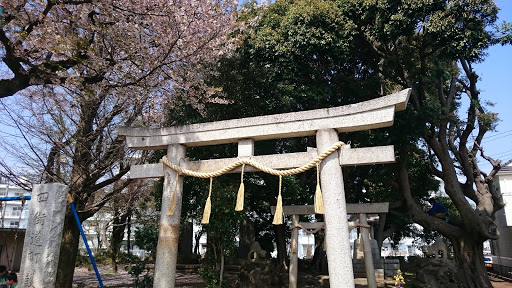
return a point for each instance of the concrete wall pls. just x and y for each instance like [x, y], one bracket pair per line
[504, 186]
[503, 246]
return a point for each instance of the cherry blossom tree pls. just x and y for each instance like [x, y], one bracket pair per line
[77, 69]
[119, 43]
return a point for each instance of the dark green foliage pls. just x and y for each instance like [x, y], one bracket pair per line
[222, 228]
[210, 277]
[137, 267]
[146, 238]
[138, 270]
[296, 57]
[504, 33]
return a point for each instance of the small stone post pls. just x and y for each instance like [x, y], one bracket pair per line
[294, 259]
[168, 236]
[341, 273]
[41, 248]
[368, 257]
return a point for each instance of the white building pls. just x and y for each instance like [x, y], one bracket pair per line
[501, 249]
[306, 244]
[13, 222]
[407, 247]
[13, 213]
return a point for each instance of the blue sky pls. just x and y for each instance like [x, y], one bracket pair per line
[496, 86]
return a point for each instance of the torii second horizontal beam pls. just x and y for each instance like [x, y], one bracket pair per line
[348, 157]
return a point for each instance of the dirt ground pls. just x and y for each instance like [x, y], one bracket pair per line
[498, 283]
[85, 278]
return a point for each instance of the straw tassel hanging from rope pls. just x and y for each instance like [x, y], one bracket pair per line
[208, 206]
[319, 201]
[174, 198]
[240, 197]
[278, 216]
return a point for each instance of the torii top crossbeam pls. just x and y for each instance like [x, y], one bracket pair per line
[365, 115]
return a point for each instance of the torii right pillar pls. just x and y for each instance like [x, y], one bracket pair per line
[341, 273]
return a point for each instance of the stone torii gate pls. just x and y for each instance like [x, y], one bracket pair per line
[324, 123]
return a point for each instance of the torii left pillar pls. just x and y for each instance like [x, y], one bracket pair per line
[169, 233]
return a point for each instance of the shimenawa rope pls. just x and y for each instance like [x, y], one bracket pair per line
[319, 209]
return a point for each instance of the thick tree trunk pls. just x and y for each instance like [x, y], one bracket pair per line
[280, 232]
[379, 234]
[117, 236]
[319, 261]
[113, 258]
[129, 233]
[221, 274]
[68, 252]
[467, 240]
[470, 257]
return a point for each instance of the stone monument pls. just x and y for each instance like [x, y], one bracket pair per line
[43, 237]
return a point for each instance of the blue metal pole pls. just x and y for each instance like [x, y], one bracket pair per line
[14, 198]
[70, 200]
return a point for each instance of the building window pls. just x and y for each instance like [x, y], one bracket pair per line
[16, 211]
[19, 194]
[14, 224]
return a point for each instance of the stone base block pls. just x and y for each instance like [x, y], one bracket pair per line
[360, 268]
[391, 266]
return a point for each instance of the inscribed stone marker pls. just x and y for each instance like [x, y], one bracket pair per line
[43, 237]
